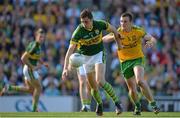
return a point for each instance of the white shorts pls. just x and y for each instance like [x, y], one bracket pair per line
[81, 70]
[28, 75]
[90, 61]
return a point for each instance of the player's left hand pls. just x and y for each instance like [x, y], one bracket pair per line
[149, 44]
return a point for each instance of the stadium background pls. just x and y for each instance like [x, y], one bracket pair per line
[160, 18]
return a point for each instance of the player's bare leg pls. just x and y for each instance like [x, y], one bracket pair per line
[25, 89]
[88, 91]
[95, 93]
[36, 94]
[84, 93]
[100, 78]
[139, 75]
[133, 94]
[32, 86]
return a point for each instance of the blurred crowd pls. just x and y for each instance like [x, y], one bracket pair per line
[19, 18]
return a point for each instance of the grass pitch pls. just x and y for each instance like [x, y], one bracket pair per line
[85, 115]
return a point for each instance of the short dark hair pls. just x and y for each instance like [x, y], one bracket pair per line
[86, 13]
[40, 30]
[128, 14]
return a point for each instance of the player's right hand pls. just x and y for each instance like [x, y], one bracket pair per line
[36, 67]
[64, 74]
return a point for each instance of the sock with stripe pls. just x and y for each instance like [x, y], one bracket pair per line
[137, 105]
[35, 103]
[86, 103]
[110, 91]
[34, 107]
[14, 88]
[153, 104]
[96, 96]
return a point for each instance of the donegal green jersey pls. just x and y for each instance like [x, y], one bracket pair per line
[34, 51]
[90, 41]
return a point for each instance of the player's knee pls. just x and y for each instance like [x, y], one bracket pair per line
[100, 82]
[140, 83]
[39, 89]
[82, 83]
[31, 90]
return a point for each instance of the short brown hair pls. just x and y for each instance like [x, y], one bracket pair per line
[128, 14]
[86, 13]
[40, 30]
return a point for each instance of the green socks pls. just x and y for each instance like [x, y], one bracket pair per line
[110, 91]
[137, 105]
[34, 107]
[86, 102]
[153, 104]
[96, 96]
[14, 88]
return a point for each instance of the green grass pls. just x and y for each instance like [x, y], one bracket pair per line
[85, 115]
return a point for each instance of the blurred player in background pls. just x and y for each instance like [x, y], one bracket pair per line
[132, 60]
[89, 36]
[32, 61]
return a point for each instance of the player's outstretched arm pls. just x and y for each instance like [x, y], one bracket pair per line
[108, 38]
[66, 60]
[117, 36]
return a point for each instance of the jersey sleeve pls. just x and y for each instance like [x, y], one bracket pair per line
[75, 36]
[104, 25]
[141, 30]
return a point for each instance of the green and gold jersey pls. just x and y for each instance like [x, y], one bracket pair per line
[34, 51]
[90, 41]
[132, 44]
